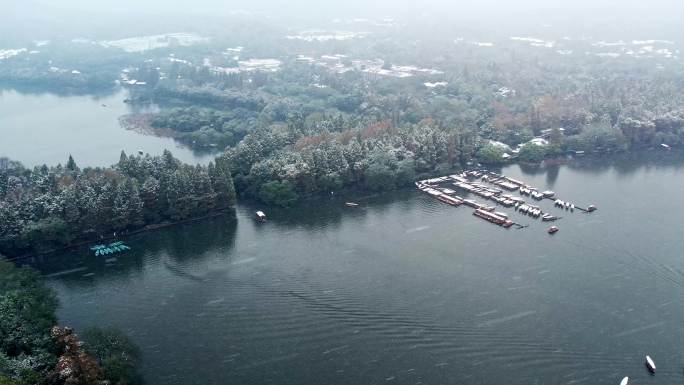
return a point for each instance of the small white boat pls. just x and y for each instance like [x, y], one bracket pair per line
[650, 364]
[260, 216]
[624, 381]
[351, 204]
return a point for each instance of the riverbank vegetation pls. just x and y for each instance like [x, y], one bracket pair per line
[51, 207]
[35, 351]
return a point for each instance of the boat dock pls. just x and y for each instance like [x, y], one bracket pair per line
[499, 189]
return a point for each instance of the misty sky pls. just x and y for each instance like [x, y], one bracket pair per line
[78, 17]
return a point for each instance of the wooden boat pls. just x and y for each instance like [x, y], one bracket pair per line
[351, 204]
[650, 364]
[548, 218]
[260, 216]
[449, 200]
[552, 230]
[624, 381]
[493, 218]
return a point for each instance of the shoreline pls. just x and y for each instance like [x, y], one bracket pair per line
[148, 228]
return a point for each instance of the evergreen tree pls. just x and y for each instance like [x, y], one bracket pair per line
[222, 181]
[71, 164]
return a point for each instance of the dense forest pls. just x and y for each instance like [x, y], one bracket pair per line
[35, 351]
[373, 107]
[50, 207]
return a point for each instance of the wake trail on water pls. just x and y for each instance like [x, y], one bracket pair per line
[481, 343]
[637, 262]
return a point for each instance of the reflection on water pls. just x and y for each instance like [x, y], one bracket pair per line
[177, 244]
[405, 289]
[41, 129]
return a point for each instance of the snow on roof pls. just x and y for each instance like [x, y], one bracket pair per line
[527, 39]
[539, 141]
[608, 54]
[267, 65]
[609, 43]
[500, 145]
[330, 57]
[260, 64]
[505, 92]
[305, 58]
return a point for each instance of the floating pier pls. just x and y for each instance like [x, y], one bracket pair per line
[112, 248]
[492, 186]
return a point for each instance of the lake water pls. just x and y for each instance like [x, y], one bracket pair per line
[406, 290]
[38, 129]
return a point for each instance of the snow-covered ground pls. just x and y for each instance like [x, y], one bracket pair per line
[339, 63]
[320, 35]
[8, 53]
[144, 43]
[251, 65]
[435, 84]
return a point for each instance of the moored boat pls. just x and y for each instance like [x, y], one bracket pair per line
[449, 200]
[552, 230]
[493, 218]
[650, 364]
